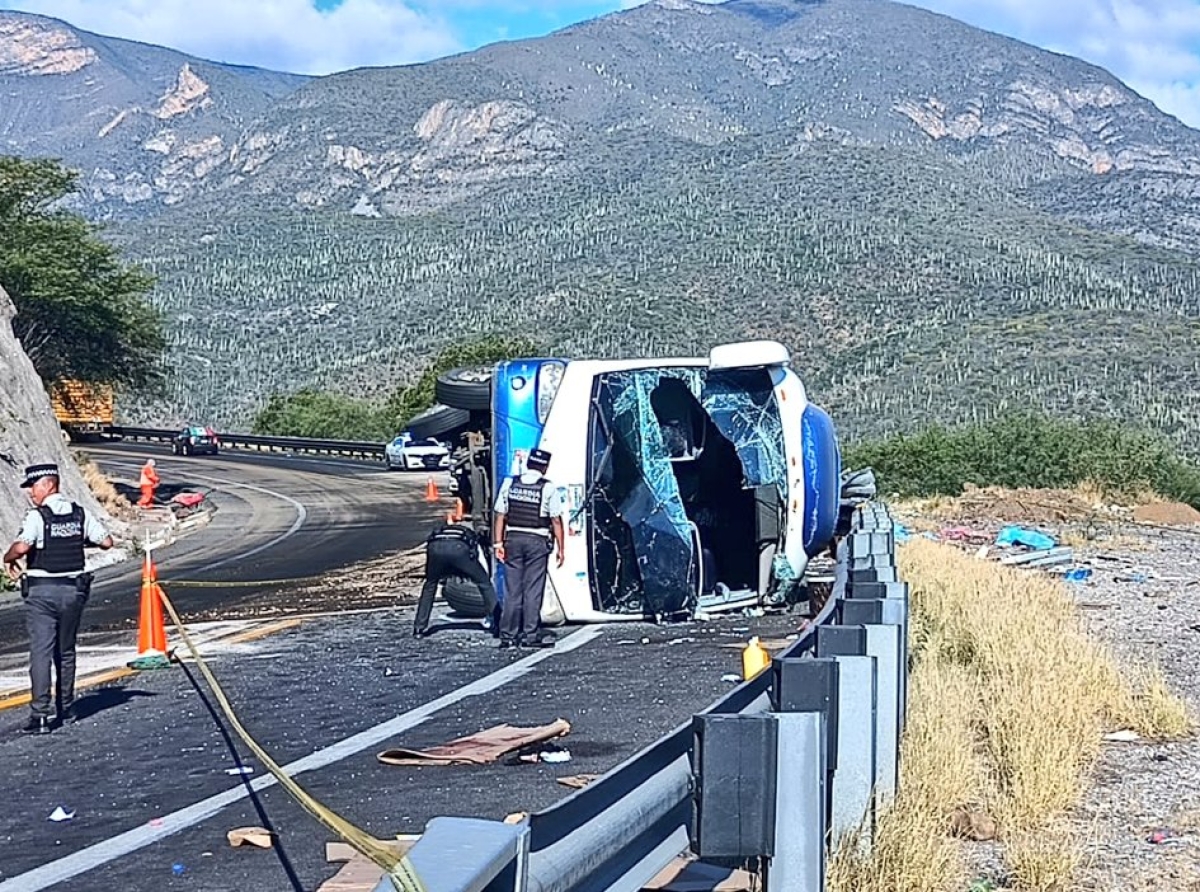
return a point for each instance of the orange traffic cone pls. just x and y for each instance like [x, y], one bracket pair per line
[152, 632]
[431, 491]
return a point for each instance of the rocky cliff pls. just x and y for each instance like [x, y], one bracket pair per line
[29, 432]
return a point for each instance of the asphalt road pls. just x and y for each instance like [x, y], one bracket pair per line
[145, 769]
[277, 517]
[142, 767]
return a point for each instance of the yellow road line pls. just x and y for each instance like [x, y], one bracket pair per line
[22, 697]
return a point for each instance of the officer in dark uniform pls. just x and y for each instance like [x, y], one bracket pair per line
[452, 550]
[529, 526]
[55, 588]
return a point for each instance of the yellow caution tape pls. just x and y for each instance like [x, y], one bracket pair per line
[398, 868]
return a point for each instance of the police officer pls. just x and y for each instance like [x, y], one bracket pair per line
[529, 526]
[55, 588]
[452, 550]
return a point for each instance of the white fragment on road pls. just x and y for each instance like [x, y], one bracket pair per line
[60, 814]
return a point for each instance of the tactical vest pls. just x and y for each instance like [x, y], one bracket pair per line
[62, 542]
[525, 507]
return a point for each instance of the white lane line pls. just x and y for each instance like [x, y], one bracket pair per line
[115, 847]
[301, 515]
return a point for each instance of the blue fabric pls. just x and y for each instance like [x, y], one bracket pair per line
[1013, 535]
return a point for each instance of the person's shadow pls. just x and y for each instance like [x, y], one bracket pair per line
[93, 702]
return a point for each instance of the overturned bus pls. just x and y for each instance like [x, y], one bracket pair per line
[690, 484]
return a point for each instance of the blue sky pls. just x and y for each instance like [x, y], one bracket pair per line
[1153, 45]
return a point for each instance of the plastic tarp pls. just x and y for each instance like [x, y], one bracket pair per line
[1013, 535]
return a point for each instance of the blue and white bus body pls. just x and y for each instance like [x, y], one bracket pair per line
[690, 483]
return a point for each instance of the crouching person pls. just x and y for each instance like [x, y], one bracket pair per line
[453, 550]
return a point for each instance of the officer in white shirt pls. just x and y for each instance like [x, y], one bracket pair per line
[528, 526]
[55, 588]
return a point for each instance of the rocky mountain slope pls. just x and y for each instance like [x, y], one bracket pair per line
[29, 432]
[146, 125]
[942, 222]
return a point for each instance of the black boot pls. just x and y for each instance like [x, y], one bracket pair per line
[37, 724]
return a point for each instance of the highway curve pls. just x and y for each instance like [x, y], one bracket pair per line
[277, 518]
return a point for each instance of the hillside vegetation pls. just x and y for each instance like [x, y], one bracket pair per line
[908, 287]
[1028, 450]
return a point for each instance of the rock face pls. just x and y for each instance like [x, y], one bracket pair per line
[29, 432]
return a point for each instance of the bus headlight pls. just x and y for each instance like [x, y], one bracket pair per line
[549, 376]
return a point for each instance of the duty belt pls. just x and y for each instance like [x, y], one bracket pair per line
[543, 532]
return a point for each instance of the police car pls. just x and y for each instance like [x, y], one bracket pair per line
[407, 454]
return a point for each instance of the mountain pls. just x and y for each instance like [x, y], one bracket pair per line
[942, 222]
[145, 125]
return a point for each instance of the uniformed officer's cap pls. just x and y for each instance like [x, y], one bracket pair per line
[539, 460]
[34, 473]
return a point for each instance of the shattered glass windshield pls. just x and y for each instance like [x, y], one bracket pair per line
[679, 459]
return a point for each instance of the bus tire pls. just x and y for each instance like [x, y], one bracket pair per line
[469, 389]
[464, 597]
[438, 421]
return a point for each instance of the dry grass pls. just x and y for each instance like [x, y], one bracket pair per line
[1043, 862]
[102, 488]
[1008, 700]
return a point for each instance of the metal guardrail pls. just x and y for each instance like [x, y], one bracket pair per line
[783, 768]
[301, 445]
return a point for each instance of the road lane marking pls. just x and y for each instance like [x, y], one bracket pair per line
[122, 844]
[301, 515]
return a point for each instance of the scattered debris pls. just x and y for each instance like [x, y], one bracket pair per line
[178, 869]
[516, 817]
[685, 875]
[730, 677]
[255, 836]
[577, 781]
[60, 814]
[1163, 836]
[477, 749]
[1132, 577]
[963, 534]
[1014, 535]
[542, 752]
[359, 874]
[1078, 574]
[982, 884]
[765, 643]
[239, 770]
[1124, 736]
[1041, 558]
[972, 823]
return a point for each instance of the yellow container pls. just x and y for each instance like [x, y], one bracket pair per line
[755, 658]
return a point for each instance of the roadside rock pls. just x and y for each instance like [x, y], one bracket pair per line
[29, 432]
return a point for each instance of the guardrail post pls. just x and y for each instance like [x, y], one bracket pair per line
[856, 775]
[868, 542]
[736, 785]
[469, 855]
[798, 864]
[883, 611]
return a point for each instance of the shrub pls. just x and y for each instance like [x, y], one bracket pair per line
[1029, 450]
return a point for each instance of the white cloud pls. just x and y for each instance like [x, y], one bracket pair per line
[287, 35]
[1152, 45]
